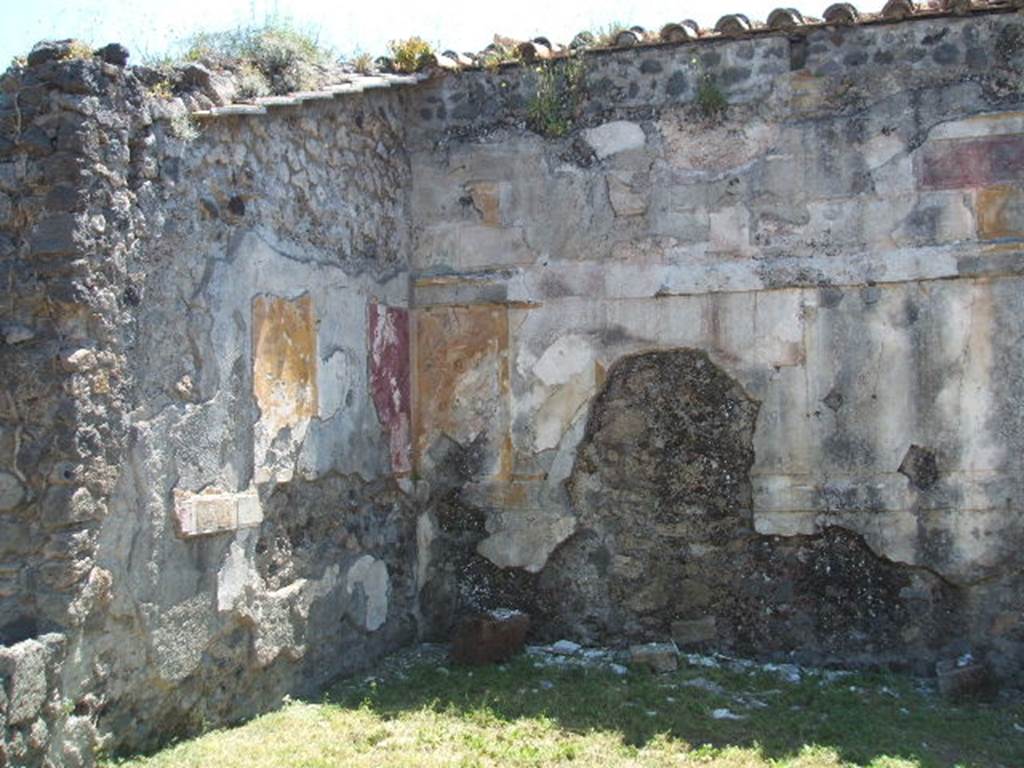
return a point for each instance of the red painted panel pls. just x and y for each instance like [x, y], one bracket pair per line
[389, 379]
[971, 162]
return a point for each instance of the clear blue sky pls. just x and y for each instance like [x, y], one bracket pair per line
[154, 26]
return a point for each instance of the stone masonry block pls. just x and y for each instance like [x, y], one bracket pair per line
[659, 657]
[215, 511]
[614, 137]
[54, 236]
[694, 632]
[8, 177]
[24, 666]
[625, 199]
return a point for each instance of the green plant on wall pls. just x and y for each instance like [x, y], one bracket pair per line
[184, 127]
[498, 54]
[275, 57]
[605, 36]
[710, 101]
[411, 54]
[561, 87]
[363, 63]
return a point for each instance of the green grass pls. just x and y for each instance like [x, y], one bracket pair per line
[522, 715]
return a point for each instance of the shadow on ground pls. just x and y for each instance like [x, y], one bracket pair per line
[864, 718]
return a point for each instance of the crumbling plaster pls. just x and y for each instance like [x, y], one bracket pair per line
[832, 244]
[315, 384]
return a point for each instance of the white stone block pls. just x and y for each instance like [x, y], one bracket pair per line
[614, 137]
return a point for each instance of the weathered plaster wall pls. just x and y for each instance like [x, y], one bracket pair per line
[282, 398]
[273, 267]
[843, 243]
[207, 408]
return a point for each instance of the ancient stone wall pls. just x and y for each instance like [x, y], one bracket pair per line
[64, 370]
[730, 355]
[841, 242]
[206, 407]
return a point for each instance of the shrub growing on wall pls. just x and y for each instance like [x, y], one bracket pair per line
[277, 53]
[554, 108]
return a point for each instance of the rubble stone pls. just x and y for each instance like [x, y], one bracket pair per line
[659, 657]
[489, 638]
[965, 682]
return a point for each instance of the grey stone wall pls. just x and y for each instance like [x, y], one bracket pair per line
[269, 242]
[204, 428]
[63, 365]
[842, 240]
[285, 396]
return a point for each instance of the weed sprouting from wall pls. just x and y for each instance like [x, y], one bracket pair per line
[184, 128]
[410, 54]
[78, 50]
[162, 89]
[497, 54]
[711, 102]
[561, 86]
[363, 63]
[604, 37]
[277, 53]
[710, 99]
[251, 82]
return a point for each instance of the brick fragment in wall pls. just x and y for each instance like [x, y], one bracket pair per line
[486, 198]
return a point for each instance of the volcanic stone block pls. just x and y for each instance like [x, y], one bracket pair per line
[920, 467]
[24, 665]
[54, 236]
[694, 632]
[489, 638]
[965, 682]
[659, 657]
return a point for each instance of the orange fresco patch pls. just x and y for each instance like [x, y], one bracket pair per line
[455, 346]
[284, 360]
[1000, 212]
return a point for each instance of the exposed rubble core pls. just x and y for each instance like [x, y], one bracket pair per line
[726, 355]
[662, 475]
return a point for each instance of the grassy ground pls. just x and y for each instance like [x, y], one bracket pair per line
[530, 714]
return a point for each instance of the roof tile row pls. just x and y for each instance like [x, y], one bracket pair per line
[781, 20]
[733, 25]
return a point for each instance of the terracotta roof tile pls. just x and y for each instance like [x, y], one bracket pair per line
[782, 20]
